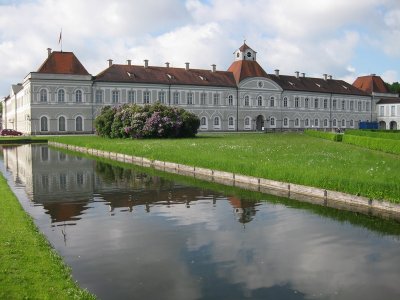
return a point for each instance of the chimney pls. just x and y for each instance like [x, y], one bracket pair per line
[167, 64]
[187, 66]
[303, 75]
[277, 72]
[325, 77]
[373, 74]
[48, 51]
[214, 67]
[330, 77]
[146, 63]
[129, 62]
[110, 62]
[297, 74]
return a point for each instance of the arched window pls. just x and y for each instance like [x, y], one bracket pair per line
[325, 122]
[44, 124]
[351, 123]
[78, 96]
[306, 122]
[79, 123]
[43, 95]
[343, 123]
[285, 102]
[334, 123]
[286, 122]
[203, 121]
[61, 95]
[247, 121]
[230, 121]
[61, 123]
[230, 100]
[316, 123]
[297, 122]
[259, 101]
[216, 121]
[246, 100]
[272, 102]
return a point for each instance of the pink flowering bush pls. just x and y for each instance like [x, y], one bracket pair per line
[149, 121]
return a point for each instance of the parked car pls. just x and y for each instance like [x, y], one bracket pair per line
[10, 132]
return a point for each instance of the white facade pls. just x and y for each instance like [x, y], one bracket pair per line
[68, 103]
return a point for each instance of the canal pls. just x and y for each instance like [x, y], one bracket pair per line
[135, 233]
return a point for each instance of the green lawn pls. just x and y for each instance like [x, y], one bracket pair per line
[294, 158]
[29, 267]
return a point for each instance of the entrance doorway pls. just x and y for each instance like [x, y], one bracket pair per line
[382, 125]
[260, 123]
[393, 125]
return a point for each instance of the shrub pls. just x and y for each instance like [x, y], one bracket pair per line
[385, 145]
[146, 122]
[324, 135]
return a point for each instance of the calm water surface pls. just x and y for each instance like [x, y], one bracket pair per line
[131, 235]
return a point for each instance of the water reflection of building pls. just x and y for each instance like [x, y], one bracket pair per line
[65, 185]
[245, 210]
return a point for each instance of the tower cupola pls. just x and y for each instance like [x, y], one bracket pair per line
[245, 53]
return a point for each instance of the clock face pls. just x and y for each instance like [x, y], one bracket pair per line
[248, 54]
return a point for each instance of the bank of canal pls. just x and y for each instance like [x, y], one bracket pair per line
[134, 232]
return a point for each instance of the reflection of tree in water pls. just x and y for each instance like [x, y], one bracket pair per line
[245, 210]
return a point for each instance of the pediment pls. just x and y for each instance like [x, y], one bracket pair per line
[260, 83]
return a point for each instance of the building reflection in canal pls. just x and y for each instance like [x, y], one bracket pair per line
[66, 184]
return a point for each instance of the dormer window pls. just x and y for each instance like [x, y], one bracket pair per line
[170, 76]
[202, 78]
[318, 85]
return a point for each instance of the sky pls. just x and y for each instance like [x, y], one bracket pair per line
[341, 38]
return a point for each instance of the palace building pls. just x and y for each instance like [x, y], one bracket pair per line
[61, 97]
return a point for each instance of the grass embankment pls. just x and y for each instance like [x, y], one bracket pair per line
[291, 158]
[376, 140]
[29, 267]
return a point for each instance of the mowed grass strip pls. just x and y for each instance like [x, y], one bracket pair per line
[29, 267]
[289, 157]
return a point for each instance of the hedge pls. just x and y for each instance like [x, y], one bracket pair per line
[380, 144]
[324, 135]
[375, 134]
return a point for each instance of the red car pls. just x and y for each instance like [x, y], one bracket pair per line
[10, 132]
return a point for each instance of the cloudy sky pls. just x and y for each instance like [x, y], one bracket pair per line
[339, 37]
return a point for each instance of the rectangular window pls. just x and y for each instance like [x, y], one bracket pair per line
[359, 106]
[203, 99]
[325, 103]
[306, 103]
[99, 96]
[296, 102]
[272, 102]
[216, 99]
[381, 111]
[334, 104]
[316, 102]
[351, 105]
[176, 98]
[343, 105]
[131, 97]
[393, 110]
[115, 97]
[146, 97]
[161, 97]
[189, 98]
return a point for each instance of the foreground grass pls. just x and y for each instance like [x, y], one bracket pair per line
[29, 267]
[294, 158]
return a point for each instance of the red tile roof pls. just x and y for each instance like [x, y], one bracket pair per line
[370, 84]
[62, 63]
[244, 47]
[164, 75]
[318, 85]
[243, 69]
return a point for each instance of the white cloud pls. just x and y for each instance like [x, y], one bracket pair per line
[311, 37]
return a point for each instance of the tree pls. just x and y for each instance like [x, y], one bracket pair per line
[394, 87]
